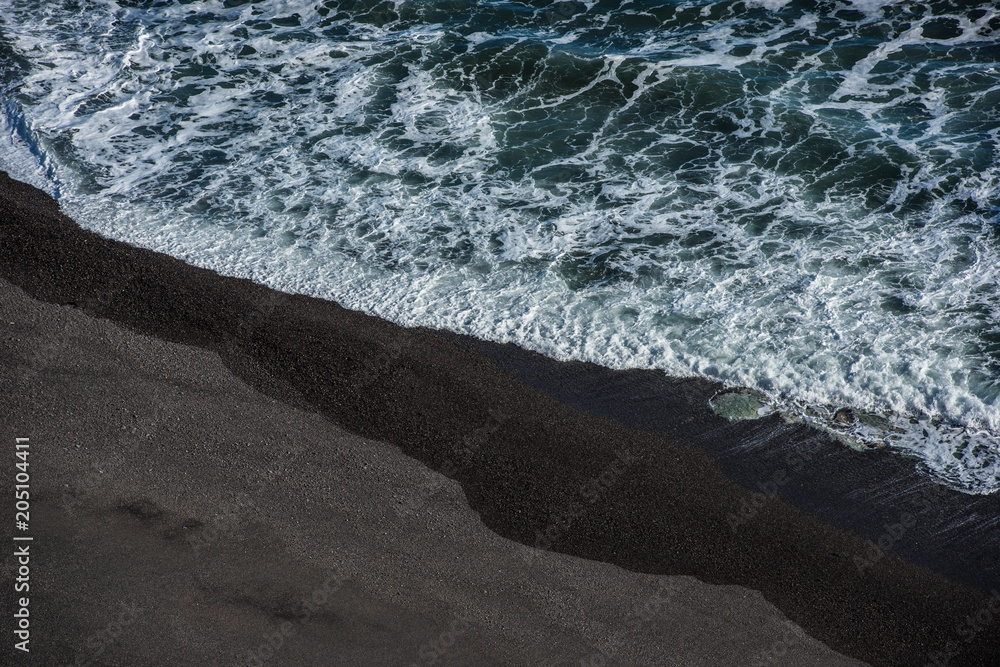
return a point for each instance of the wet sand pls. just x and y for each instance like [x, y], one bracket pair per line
[579, 509]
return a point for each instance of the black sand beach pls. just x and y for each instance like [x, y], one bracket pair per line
[213, 459]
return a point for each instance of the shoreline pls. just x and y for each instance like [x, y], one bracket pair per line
[954, 533]
[629, 468]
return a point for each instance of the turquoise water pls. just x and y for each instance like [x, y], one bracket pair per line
[797, 197]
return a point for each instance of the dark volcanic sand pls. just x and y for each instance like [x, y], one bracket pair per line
[181, 518]
[627, 468]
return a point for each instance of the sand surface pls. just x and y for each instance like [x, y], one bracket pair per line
[181, 517]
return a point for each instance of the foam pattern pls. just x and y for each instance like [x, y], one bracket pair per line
[797, 197]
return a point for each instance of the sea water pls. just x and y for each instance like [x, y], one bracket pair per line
[797, 197]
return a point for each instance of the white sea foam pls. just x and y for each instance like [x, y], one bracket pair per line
[371, 169]
[768, 4]
[19, 157]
